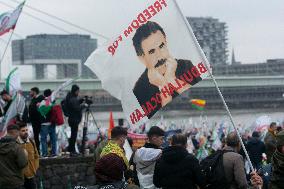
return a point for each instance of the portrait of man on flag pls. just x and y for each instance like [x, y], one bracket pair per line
[164, 75]
[152, 58]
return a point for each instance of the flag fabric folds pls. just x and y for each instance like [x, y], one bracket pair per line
[198, 104]
[111, 125]
[152, 58]
[16, 108]
[60, 88]
[8, 20]
[13, 82]
[45, 106]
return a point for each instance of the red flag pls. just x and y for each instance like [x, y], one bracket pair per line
[111, 125]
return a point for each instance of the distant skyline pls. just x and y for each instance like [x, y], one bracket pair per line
[255, 27]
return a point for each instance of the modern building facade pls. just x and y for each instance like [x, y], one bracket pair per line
[211, 35]
[63, 55]
[270, 67]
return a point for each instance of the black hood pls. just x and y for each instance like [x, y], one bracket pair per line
[254, 140]
[7, 144]
[150, 145]
[174, 154]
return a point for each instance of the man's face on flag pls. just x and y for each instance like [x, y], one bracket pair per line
[155, 51]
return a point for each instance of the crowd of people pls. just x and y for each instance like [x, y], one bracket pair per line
[20, 154]
[173, 167]
[179, 164]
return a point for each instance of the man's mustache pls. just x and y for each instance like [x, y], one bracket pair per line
[160, 63]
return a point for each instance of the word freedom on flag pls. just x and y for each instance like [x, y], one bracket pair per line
[154, 59]
[142, 18]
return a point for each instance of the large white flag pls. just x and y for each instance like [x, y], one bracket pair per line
[152, 60]
[60, 88]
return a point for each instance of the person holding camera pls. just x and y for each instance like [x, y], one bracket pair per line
[75, 107]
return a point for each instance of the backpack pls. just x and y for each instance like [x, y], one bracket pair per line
[64, 106]
[213, 169]
[56, 116]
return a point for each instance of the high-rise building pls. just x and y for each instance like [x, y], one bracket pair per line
[211, 35]
[61, 55]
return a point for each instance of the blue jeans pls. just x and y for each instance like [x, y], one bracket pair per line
[44, 131]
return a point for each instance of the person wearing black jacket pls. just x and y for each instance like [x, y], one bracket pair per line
[178, 169]
[35, 117]
[255, 148]
[8, 99]
[75, 110]
[23, 117]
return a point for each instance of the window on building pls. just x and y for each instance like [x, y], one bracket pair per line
[39, 71]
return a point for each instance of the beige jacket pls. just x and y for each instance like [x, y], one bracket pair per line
[33, 157]
[235, 169]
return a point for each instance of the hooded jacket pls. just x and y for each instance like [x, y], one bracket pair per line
[75, 107]
[34, 115]
[277, 178]
[270, 144]
[145, 159]
[13, 160]
[255, 148]
[177, 169]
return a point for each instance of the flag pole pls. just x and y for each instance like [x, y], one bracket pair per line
[216, 85]
[10, 39]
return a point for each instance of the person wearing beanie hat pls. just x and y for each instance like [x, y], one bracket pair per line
[75, 107]
[255, 148]
[13, 159]
[277, 178]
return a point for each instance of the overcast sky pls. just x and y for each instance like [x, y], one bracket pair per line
[255, 27]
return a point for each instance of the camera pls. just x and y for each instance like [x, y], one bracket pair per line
[88, 100]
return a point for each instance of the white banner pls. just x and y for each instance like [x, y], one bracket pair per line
[151, 61]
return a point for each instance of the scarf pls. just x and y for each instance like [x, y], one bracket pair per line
[113, 148]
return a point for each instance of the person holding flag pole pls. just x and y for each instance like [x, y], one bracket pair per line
[222, 98]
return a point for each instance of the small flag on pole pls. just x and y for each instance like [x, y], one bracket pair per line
[111, 125]
[13, 82]
[8, 20]
[198, 104]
